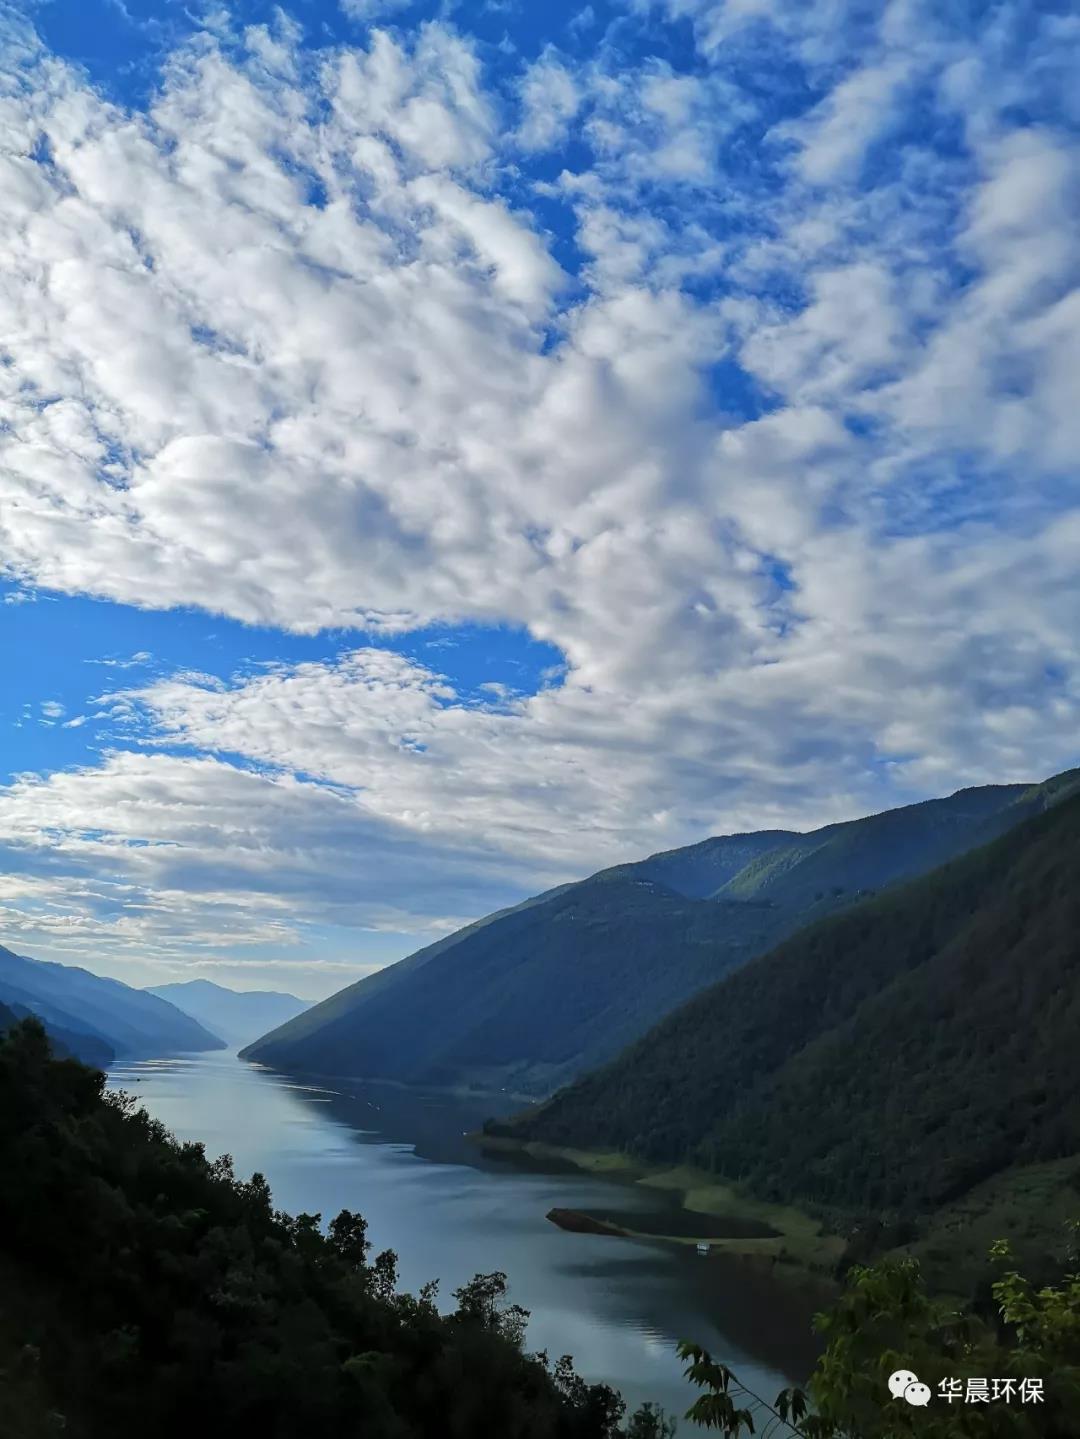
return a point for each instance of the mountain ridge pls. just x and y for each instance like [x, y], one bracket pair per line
[528, 998]
[893, 1056]
[233, 1015]
[69, 998]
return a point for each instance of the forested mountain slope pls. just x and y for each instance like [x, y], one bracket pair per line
[73, 1002]
[892, 1056]
[521, 1004]
[534, 995]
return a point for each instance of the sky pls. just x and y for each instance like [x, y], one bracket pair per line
[447, 448]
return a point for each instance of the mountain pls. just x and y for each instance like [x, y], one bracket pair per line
[78, 1006]
[237, 1016]
[528, 998]
[65, 1043]
[891, 1057]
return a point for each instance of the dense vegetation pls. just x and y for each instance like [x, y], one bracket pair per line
[144, 1290]
[529, 998]
[147, 1291]
[1027, 1344]
[101, 1017]
[891, 1057]
[65, 1043]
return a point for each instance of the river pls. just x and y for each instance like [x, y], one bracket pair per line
[401, 1158]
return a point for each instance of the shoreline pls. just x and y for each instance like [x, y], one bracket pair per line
[796, 1244]
[342, 1083]
[793, 1248]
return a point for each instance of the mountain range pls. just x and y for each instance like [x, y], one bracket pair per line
[98, 1019]
[531, 997]
[893, 1057]
[236, 1016]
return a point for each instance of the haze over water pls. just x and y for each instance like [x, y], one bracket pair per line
[449, 1211]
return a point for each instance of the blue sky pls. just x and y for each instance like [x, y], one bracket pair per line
[74, 653]
[446, 448]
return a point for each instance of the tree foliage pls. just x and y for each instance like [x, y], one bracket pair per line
[145, 1290]
[889, 1058]
[886, 1321]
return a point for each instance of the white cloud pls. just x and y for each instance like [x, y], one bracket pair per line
[135, 661]
[582, 22]
[851, 333]
[156, 857]
[367, 10]
[999, 371]
[550, 99]
[291, 346]
[834, 139]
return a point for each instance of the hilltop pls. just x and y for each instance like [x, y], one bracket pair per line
[529, 998]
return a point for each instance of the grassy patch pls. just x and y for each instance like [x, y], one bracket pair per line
[1031, 1206]
[793, 1237]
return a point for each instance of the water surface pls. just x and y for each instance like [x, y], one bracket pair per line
[401, 1159]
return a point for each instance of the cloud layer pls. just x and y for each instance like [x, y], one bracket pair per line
[760, 409]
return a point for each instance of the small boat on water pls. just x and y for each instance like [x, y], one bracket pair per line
[703, 1248]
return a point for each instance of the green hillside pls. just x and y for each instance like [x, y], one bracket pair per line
[145, 1291]
[531, 992]
[892, 1057]
[529, 998]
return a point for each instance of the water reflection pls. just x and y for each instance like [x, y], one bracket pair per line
[450, 1210]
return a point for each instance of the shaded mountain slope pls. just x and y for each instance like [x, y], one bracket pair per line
[701, 871]
[235, 1016]
[522, 1005]
[883, 849]
[530, 997]
[891, 1056]
[72, 1001]
[66, 1043]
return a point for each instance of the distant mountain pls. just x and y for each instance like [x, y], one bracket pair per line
[891, 1057]
[85, 1006]
[528, 998]
[237, 1016]
[65, 1042]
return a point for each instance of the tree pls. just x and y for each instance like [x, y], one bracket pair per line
[483, 1302]
[147, 1290]
[384, 1274]
[650, 1422]
[887, 1322]
[348, 1235]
